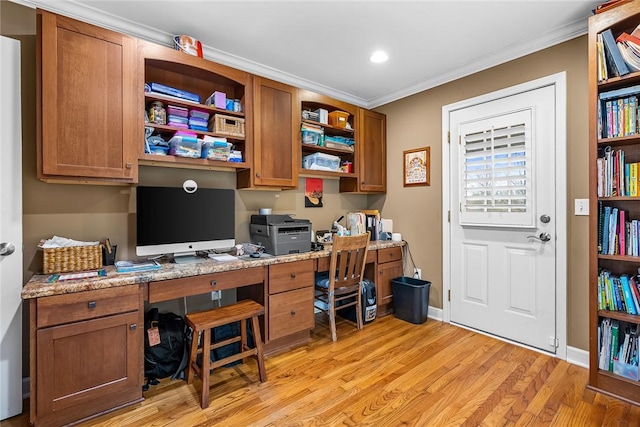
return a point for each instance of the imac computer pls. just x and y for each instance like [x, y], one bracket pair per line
[181, 221]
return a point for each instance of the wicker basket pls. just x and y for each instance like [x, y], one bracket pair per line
[227, 125]
[72, 258]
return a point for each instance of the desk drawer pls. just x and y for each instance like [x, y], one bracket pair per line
[325, 262]
[290, 312]
[390, 254]
[195, 285]
[290, 275]
[59, 309]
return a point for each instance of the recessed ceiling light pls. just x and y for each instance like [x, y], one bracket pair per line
[378, 57]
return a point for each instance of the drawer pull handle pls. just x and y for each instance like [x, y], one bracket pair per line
[92, 304]
[293, 275]
[133, 326]
[213, 283]
[293, 312]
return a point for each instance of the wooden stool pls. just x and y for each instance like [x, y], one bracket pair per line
[206, 320]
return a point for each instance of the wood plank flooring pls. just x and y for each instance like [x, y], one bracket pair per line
[392, 373]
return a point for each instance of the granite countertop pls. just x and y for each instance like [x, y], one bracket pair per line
[38, 287]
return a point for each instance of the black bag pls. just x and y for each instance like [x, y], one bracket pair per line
[170, 357]
[369, 304]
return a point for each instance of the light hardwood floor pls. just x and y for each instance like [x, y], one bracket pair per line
[392, 373]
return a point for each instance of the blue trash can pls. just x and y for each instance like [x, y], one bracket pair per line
[411, 299]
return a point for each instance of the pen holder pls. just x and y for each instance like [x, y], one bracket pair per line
[109, 258]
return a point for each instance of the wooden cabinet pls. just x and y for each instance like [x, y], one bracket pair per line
[86, 355]
[372, 146]
[389, 267]
[607, 264]
[290, 307]
[181, 71]
[311, 102]
[88, 116]
[275, 144]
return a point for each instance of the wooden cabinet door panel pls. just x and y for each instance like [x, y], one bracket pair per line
[384, 293]
[88, 105]
[290, 312]
[84, 364]
[277, 124]
[372, 136]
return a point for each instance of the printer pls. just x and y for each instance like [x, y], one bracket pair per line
[280, 234]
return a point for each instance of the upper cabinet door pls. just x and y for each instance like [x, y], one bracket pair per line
[89, 102]
[276, 159]
[372, 139]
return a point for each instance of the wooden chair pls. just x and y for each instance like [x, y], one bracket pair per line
[344, 284]
[205, 321]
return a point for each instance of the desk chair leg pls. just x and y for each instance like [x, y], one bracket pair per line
[193, 356]
[359, 319]
[332, 316]
[257, 338]
[204, 373]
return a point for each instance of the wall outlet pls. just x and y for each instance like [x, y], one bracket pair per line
[216, 295]
[417, 273]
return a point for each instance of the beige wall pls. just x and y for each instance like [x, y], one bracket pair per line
[416, 121]
[97, 212]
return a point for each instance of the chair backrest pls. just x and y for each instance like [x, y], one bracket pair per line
[348, 257]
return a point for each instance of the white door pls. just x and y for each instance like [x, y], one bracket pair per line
[503, 217]
[10, 230]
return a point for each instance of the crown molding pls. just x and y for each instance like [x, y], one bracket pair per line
[568, 32]
[86, 13]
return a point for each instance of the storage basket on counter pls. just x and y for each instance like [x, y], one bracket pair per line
[71, 258]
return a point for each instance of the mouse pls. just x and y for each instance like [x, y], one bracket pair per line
[255, 255]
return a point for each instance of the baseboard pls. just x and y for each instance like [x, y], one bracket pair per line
[578, 357]
[435, 313]
[26, 386]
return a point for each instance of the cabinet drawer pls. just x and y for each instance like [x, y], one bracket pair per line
[59, 309]
[290, 275]
[290, 312]
[195, 285]
[323, 263]
[390, 254]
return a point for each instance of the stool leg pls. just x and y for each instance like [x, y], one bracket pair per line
[193, 355]
[258, 341]
[206, 354]
[243, 338]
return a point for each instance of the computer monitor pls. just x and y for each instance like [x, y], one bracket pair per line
[172, 220]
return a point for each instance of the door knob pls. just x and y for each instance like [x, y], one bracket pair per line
[7, 248]
[543, 237]
[545, 219]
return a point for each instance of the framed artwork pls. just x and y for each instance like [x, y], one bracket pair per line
[416, 167]
[313, 193]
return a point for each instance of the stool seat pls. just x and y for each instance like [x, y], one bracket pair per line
[204, 321]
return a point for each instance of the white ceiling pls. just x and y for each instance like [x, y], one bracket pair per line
[325, 45]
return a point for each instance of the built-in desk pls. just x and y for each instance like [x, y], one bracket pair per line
[86, 336]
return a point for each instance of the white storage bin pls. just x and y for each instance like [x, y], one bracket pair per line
[321, 162]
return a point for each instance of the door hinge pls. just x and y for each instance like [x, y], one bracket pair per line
[554, 342]
[449, 295]
[448, 216]
[448, 137]
[459, 139]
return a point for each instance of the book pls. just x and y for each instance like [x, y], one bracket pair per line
[135, 266]
[618, 66]
[626, 293]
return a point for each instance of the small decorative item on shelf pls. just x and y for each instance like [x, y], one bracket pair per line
[188, 44]
[157, 113]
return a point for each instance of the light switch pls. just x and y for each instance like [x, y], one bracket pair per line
[582, 207]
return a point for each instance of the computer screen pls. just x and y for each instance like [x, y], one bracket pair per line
[171, 220]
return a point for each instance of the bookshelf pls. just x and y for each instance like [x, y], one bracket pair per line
[612, 265]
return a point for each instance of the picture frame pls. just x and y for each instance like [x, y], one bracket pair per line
[416, 168]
